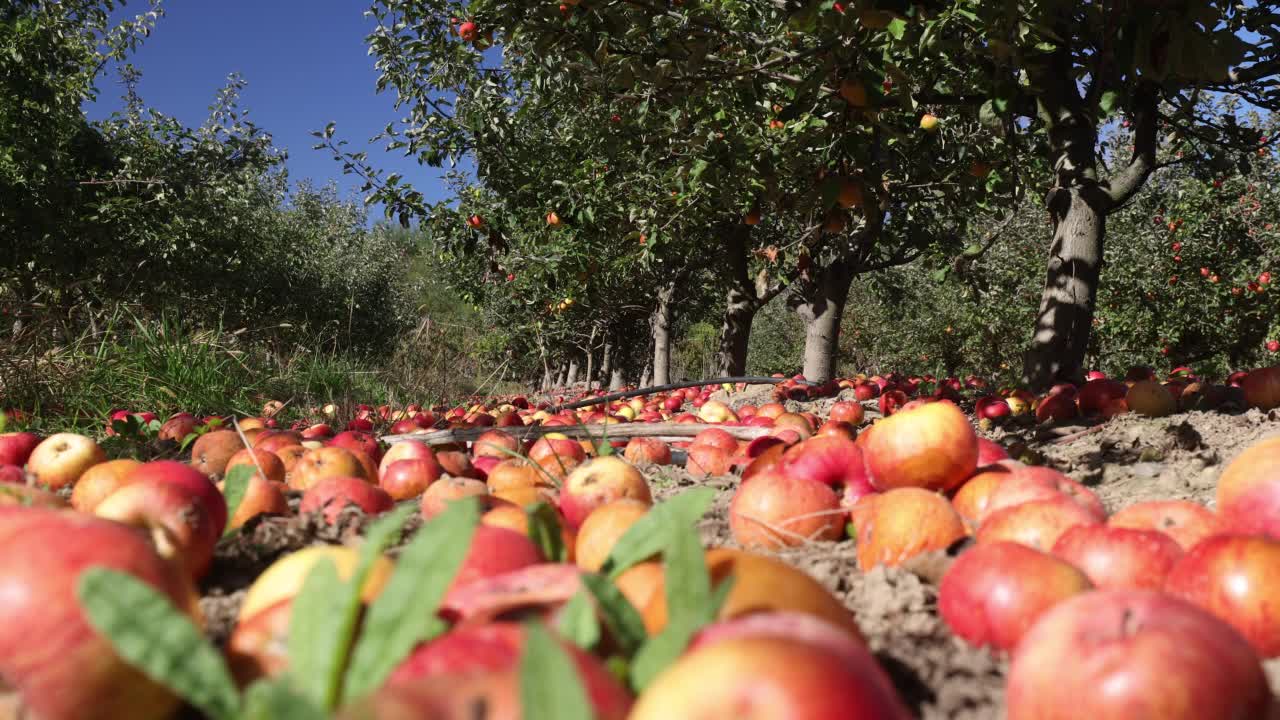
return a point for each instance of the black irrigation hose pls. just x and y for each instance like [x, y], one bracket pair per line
[749, 380]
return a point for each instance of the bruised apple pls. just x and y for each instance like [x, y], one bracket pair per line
[992, 594]
[59, 460]
[902, 523]
[774, 510]
[1186, 522]
[261, 497]
[324, 463]
[932, 446]
[54, 665]
[1124, 654]
[440, 493]
[211, 452]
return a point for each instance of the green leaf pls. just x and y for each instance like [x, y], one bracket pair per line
[544, 531]
[897, 28]
[151, 634]
[275, 700]
[578, 621]
[313, 632]
[625, 625]
[651, 533]
[1107, 103]
[330, 616]
[940, 275]
[699, 166]
[404, 614]
[234, 487]
[550, 687]
[973, 250]
[689, 606]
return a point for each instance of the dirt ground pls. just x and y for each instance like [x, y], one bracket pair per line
[1125, 460]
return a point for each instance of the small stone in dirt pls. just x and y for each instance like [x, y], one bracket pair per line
[1150, 455]
[1146, 469]
[1186, 437]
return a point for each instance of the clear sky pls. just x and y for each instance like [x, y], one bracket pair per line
[305, 63]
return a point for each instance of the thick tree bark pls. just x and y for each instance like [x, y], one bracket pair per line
[571, 375]
[661, 325]
[560, 375]
[821, 305]
[646, 376]
[743, 299]
[606, 359]
[1078, 205]
[617, 379]
[1071, 288]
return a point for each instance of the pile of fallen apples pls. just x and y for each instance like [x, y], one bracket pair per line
[1163, 609]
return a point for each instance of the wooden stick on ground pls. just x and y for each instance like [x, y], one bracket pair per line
[667, 432]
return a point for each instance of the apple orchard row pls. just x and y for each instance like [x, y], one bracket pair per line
[1162, 609]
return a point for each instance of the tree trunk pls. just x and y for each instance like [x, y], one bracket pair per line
[560, 375]
[606, 359]
[646, 375]
[1071, 287]
[661, 324]
[821, 306]
[571, 376]
[735, 335]
[617, 379]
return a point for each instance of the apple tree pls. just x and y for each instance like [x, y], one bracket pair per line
[1050, 75]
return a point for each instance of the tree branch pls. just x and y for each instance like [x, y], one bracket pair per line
[1146, 116]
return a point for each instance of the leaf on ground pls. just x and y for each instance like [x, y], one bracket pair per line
[151, 634]
[550, 687]
[653, 531]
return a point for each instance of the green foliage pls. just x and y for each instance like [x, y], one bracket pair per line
[1225, 218]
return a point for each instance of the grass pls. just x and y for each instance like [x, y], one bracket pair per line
[163, 366]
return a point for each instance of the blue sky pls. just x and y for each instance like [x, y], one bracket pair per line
[305, 64]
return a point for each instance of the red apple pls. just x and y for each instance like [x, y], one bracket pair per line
[261, 497]
[357, 442]
[177, 519]
[1231, 576]
[932, 447]
[477, 650]
[405, 479]
[70, 670]
[1038, 523]
[331, 495]
[212, 450]
[1186, 522]
[1117, 558]
[496, 443]
[599, 482]
[1026, 483]
[191, 481]
[990, 451]
[774, 510]
[16, 447]
[845, 411]
[1095, 395]
[1124, 654]
[764, 677]
[992, 594]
